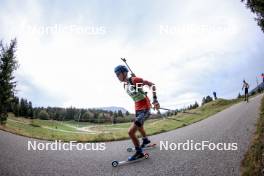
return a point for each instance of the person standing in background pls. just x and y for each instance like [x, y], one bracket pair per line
[246, 86]
[215, 97]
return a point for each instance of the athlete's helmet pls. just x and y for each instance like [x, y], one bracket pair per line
[120, 69]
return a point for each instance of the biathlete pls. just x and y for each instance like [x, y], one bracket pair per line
[134, 89]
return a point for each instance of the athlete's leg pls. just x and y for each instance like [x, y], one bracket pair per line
[139, 152]
[142, 131]
[141, 118]
[132, 134]
[247, 97]
[246, 94]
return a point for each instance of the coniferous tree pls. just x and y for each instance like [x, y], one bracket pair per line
[257, 7]
[119, 113]
[8, 65]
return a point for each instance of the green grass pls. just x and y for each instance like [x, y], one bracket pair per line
[252, 163]
[68, 131]
[76, 124]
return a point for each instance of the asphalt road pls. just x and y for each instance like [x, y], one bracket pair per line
[233, 125]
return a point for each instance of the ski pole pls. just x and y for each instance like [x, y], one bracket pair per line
[132, 73]
[166, 109]
[174, 110]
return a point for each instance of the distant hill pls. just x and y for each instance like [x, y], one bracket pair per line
[260, 86]
[113, 109]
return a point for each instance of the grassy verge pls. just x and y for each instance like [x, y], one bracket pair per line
[253, 162]
[88, 132]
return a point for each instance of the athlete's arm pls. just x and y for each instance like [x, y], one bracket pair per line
[154, 95]
[152, 86]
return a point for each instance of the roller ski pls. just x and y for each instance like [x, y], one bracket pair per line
[146, 144]
[138, 156]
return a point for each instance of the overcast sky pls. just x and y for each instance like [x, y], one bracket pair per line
[67, 50]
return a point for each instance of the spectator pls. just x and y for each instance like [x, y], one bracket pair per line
[215, 97]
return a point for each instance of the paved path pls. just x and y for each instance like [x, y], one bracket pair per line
[233, 125]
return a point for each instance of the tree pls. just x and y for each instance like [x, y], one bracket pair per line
[30, 110]
[196, 105]
[70, 113]
[8, 65]
[15, 106]
[239, 95]
[257, 7]
[119, 113]
[23, 107]
[100, 118]
[43, 115]
[86, 117]
[114, 117]
[206, 100]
